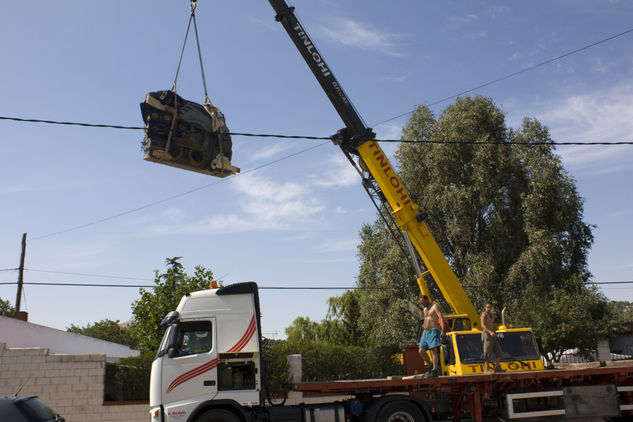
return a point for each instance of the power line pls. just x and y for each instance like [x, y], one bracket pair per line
[37, 283]
[527, 69]
[507, 143]
[502, 78]
[88, 275]
[329, 138]
[53, 122]
[160, 201]
[256, 135]
[61, 284]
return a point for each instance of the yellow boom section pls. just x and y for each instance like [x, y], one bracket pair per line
[405, 212]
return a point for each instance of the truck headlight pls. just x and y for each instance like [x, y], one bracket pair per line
[156, 414]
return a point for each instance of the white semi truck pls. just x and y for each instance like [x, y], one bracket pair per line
[209, 368]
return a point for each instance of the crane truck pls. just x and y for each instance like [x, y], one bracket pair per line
[209, 364]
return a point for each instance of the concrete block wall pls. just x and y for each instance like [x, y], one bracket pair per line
[72, 385]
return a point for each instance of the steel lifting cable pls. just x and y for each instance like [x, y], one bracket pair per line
[192, 17]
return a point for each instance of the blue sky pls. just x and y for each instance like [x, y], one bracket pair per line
[295, 222]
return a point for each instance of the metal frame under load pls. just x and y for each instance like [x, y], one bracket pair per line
[357, 139]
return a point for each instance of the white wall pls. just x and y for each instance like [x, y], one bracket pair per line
[73, 385]
[15, 333]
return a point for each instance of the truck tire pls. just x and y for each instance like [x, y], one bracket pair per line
[218, 415]
[400, 411]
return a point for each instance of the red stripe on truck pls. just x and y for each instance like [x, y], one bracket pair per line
[245, 338]
[192, 374]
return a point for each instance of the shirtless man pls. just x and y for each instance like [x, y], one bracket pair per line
[490, 339]
[431, 336]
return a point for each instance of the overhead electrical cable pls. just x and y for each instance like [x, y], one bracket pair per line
[312, 137]
[62, 284]
[377, 124]
[88, 275]
[511, 75]
[578, 143]
[328, 138]
[53, 122]
[172, 197]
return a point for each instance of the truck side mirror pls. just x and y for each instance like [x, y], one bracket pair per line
[170, 318]
[172, 352]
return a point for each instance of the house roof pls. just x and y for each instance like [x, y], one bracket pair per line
[20, 334]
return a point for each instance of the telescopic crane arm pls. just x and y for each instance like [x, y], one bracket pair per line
[357, 139]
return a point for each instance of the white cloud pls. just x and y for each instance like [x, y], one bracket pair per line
[269, 151]
[339, 245]
[602, 115]
[337, 172]
[354, 34]
[341, 210]
[266, 205]
[399, 78]
[389, 130]
[461, 19]
[173, 212]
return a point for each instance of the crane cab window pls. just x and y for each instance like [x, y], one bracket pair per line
[518, 345]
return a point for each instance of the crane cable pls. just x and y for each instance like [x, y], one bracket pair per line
[208, 105]
[192, 17]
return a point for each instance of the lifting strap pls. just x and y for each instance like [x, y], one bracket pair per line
[216, 116]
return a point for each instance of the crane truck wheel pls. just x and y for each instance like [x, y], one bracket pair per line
[218, 415]
[400, 411]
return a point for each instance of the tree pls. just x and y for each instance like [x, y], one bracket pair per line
[344, 312]
[108, 330]
[576, 316]
[340, 327]
[504, 211]
[388, 289]
[6, 309]
[150, 309]
[621, 316]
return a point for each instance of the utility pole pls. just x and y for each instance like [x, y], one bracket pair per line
[18, 297]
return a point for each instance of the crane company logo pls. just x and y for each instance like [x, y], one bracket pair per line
[512, 366]
[390, 176]
[312, 50]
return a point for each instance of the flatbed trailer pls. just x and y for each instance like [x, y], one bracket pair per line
[584, 392]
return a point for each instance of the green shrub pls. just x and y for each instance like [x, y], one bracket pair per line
[128, 379]
[327, 362]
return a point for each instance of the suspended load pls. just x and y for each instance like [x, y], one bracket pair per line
[186, 135]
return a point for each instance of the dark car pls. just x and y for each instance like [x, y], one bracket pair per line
[26, 409]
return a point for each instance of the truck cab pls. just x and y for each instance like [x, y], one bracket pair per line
[210, 352]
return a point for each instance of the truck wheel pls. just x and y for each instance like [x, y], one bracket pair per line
[400, 411]
[218, 415]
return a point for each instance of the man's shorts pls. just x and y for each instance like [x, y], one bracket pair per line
[491, 344]
[430, 339]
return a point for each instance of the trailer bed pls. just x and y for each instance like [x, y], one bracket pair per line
[475, 396]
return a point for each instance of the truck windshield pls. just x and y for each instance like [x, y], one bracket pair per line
[518, 345]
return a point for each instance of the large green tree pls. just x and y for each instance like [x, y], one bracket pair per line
[108, 330]
[150, 309]
[505, 213]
